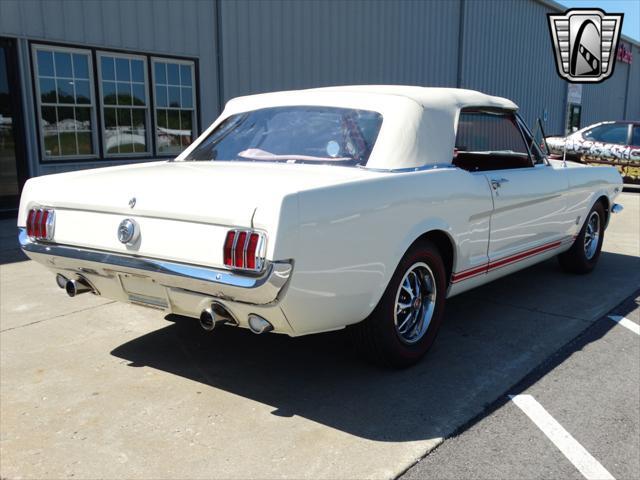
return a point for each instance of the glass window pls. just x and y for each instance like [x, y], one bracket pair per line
[608, 133]
[327, 135]
[635, 138]
[65, 101]
[489, 141]
[123, 89]
[175, 110]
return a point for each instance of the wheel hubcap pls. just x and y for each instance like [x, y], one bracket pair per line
[592, 235]
[415, 303]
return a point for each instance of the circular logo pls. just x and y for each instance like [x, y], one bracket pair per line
[128, 231]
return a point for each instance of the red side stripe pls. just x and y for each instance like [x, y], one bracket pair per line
[485, 268]
[523, 255]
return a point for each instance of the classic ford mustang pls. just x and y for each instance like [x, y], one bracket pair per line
[307, 211]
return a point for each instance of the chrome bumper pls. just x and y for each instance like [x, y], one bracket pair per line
[258, 290]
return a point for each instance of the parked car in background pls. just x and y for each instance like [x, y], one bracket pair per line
[604, 143]
[307, 211]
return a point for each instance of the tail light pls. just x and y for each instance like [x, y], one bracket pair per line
[244, 250]
[41, 223]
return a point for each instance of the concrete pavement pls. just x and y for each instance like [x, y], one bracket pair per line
[92, 389]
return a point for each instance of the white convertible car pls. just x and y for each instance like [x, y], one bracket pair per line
[307, 211]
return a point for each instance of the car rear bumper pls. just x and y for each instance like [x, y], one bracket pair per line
[100, 267]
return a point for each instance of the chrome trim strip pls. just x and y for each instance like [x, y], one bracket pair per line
[256, 290]
[431, 166]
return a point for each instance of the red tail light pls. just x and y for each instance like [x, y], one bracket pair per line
[244, 250]
[252, 249]
[41, 223]
[228, 248]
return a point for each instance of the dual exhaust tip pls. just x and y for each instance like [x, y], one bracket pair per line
[74, 286]
[215, 315]
[218, 314]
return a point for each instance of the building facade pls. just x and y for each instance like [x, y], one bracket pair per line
[85, 84]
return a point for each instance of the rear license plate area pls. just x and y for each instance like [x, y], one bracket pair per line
[143, 291]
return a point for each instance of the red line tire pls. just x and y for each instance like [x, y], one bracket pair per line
[377, 338]
[582, 258]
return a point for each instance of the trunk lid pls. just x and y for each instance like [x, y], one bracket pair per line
[183, 209]
[223, 193]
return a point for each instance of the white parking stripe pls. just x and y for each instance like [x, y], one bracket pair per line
[569, 446]
[625, 322]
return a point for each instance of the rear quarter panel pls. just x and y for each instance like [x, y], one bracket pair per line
[586, 185]
[351, 238]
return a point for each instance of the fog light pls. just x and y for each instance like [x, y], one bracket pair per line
[259, 325]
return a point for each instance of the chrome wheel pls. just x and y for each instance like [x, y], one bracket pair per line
[415, 303]
[592, 235]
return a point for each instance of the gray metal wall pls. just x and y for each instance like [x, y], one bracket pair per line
[633, 92]
[502, 49]
[509, 56]
[185, 28]
[606, 100]
[286, 44]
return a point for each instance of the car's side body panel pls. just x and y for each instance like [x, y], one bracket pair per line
[352, 237]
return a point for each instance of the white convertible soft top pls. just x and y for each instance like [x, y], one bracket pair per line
[419, 123]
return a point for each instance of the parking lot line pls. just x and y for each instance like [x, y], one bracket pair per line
[625, 322]
[590, 468]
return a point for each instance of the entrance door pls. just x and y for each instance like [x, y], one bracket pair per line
[573, 118]
[12, 157]
[528, 194]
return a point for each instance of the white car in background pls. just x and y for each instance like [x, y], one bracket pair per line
[604, 143]
[307, 211]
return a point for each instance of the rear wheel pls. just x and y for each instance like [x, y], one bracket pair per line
[583, 255]
[405, 322]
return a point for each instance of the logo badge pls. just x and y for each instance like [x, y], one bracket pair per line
[132, 202]
[128, 231]
[585, 42]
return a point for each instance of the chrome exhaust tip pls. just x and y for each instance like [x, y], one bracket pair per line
[216, 314]
[61, 280]
[259, 325]
[207, 319]
[77, 286]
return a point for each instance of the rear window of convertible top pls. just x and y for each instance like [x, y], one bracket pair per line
[294, 134]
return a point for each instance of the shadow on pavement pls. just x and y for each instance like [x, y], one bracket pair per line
[486, 346]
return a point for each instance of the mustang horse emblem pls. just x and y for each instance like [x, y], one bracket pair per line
[128, 231]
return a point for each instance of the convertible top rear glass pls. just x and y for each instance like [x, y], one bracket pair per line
[293, 134]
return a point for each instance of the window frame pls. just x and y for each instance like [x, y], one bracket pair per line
[99, 155]
[194, 98]
[510, 115]
[95, 143]
[103, 129]
[530, 142]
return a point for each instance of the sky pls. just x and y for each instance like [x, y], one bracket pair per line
[630, 8]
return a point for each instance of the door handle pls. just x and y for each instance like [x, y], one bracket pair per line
[497, 182]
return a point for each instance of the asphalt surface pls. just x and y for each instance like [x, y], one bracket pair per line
[90, 388]
[590, 387]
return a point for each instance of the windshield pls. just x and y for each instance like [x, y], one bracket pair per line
[301, 134]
